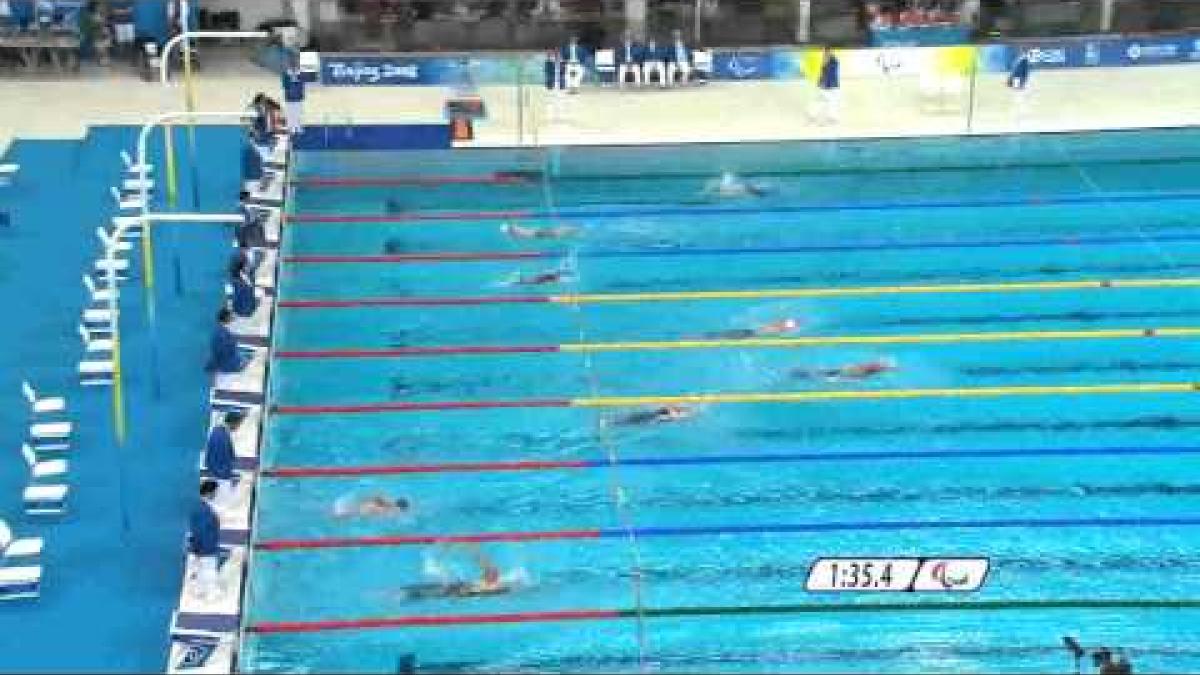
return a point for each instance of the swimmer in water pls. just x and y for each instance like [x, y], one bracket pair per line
[730, 186]
[370, 507]
[557, 276]
[518, 231]
[520, 176]
[774, 328]
[852, 372]
[662, 415]
[490, 582]
[392, 206]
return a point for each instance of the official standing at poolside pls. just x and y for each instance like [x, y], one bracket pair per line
[293, 94]
[680, 63]
[573, 57]
[1018, 80]
[829, 83]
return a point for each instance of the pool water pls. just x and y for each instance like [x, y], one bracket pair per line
[1077, 483]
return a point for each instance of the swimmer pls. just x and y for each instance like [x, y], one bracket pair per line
[663, 415]
[540, 278]
[370, 507]
[774, 328]
[392, 206]
[393, 247]
[490, 582]
[521, 176]
[854, 371]
[729, 185]
[518, 231]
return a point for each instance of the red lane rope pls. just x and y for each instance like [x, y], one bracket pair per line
[416, 301]
[417, 621]
[418, 405]
[409, 539]
[414, 351]
[390, 181]
[301, 218]
[453, 467]
[417, 257]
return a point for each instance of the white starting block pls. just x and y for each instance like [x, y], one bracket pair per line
[96, 373]
[20, 582]
[45, 500]
[50, 436]
[8, 172]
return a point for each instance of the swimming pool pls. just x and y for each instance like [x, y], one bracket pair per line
[1037, 296]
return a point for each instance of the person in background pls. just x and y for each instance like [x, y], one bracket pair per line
[293, 93]
[262, 127]
[829, 83]
[224, 355]
[630, 55]
[573, 59]
[242, 299]
[219, 455]
[654, 64]
[680, 63]
[1018, 75]
[204, 540]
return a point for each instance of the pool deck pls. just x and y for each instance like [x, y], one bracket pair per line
[1098, 98]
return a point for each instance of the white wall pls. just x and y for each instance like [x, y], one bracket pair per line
[253, 12]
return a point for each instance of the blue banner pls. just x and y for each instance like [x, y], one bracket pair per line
[756, 64]
[460, 70]
[1100, 52]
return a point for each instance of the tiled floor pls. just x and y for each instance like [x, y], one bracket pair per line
[878, 106]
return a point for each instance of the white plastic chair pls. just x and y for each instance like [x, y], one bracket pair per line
[110, 241]
[42, 406]
[96, 373]
[135, 169]
[98, 317]
[46, 468]
[702, 62]
[44, 500]
[131, 203]
[96, 339]
[120, 268]
[132, 227]
[26, 548]
[97, 294]
[606, 65]
[20, 582]
[135, 184]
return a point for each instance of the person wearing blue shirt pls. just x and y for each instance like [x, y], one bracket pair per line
[829, 82]
[242, 299]
[629, 60]
[251, 232]
[654, 64]
[1018, 76]
[252, 161]
[293, 94]
[680, 61]
[204, 539]
[219, 454]
[224, 354]
[574, 58]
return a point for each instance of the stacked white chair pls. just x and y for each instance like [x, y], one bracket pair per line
[46, 434]
[96, 365]
[23, 550]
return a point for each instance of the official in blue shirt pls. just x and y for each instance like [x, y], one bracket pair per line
[1018, 76]
[630, 55]
[574, 58]
[829, 82]
[252, 163]
[224, 354]
[220, 456]
[293, 94]
[204, 539]
[679, 63]
[242, 299]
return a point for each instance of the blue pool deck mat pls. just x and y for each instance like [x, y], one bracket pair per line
[205, 633]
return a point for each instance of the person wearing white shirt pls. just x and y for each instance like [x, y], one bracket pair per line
[629, 60]
[573, 57]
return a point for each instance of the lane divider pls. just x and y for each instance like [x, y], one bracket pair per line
[764, 397]
[760, 294]
[277, 545]
[481, 256]
[418, 621]
[289, 472]
[414, 180]
[703, 210]
[743, 343]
